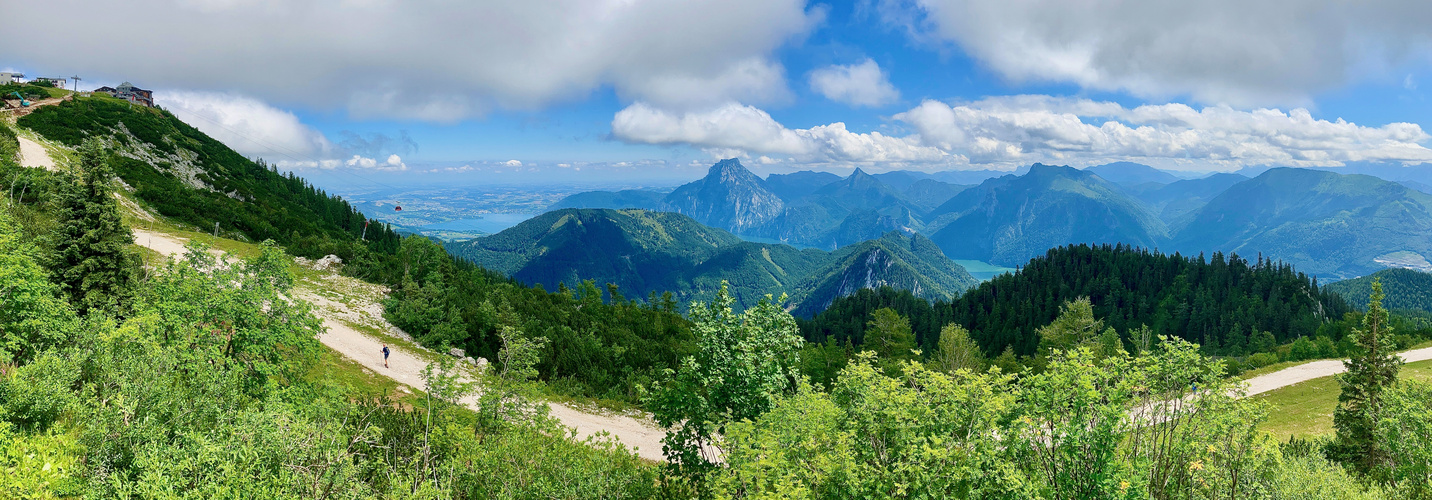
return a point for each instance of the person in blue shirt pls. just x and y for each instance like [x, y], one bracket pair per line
[385, 355]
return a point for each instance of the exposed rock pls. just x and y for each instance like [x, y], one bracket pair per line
[457, 353]
[729, 197]
[327, 262]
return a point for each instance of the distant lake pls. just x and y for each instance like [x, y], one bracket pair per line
[487, 223]
[983, 271]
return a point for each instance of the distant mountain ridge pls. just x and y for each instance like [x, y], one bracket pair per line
[644, 251]
[1132, 174]
[1009, 218]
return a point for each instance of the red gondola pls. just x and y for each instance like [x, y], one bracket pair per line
[397, 208]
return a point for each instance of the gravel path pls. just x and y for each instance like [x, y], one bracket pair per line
[1316, 369]
[405, 367]
[33, 155]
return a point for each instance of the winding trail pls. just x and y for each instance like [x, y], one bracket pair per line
[361, 307]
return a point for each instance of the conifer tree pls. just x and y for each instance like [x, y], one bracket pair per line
[92, 262]
[1370, 373]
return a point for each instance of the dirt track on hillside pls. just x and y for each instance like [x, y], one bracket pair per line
[406, 367]
[33, 155]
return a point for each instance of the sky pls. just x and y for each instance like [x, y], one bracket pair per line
[437, 92]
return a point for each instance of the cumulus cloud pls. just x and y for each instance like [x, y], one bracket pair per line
[736, 128]
[393, 163]
[1238, 52]
[1026, 129]
[432, 60]
[1005, 132]
[247, 125]
[861, 84]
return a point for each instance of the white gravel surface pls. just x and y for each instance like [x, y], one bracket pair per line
[33, 155]
[1316, 369]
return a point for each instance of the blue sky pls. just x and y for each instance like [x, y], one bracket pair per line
[655, 90]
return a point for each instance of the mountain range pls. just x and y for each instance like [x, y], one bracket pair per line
[644, 252]
[1330, 224]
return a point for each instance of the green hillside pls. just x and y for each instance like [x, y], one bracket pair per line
[1405, 289]
[189, 176]
[1324, 223]
[646, 252]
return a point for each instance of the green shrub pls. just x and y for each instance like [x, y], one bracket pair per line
[38, 393]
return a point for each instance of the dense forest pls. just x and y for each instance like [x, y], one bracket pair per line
[1227, 304]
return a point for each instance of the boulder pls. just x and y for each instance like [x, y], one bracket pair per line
[329, 261]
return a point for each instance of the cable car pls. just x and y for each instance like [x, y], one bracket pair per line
[397, 208]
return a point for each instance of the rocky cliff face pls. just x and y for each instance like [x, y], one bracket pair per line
[729, 197]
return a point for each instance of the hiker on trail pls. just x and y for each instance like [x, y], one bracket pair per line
[385, 355]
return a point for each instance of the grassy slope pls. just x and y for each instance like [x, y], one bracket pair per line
[1306, 409]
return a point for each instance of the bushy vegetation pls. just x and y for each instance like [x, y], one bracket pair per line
[28, 91]
[1095, 422]
[207, 388]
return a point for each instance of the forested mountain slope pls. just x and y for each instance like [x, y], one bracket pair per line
[1012, 219]
[1324, 223]
[1405, 289]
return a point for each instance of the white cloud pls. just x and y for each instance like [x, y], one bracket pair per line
[1005, 132]
[513, 163]
[432, 60]
[1026, 129]
[736, 128]
[247, 125]
[861, 84]
[393, 163]
[1239, 52]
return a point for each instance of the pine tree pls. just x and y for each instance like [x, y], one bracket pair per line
[92, 261]
[1370, 372]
